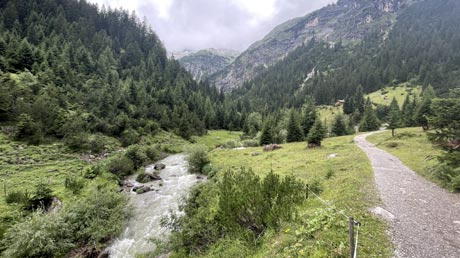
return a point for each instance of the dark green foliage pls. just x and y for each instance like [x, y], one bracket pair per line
[137, 155]
[197, 157]
[267, 134]
[294, 131]
[316, 134]
[369, 122]
[27, 130]
[339, 128]
[240, 205]
[445, 119]
[16, 197]
[89, 221]
[394, 116]
[74, 184]
[424, 109]
[77, 71]
[421, 47]
[129, 137]
[121, 166]
[93, 171]
[309, 116]
[40, 199]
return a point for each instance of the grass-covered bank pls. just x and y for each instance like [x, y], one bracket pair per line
[318, 230]
[412, 147]
[83, 188]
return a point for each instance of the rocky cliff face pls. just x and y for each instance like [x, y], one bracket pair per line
[348, 21]
[206, 62]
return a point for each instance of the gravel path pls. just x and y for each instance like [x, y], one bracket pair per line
[424, 219]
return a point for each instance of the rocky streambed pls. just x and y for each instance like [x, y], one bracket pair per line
[157, 199]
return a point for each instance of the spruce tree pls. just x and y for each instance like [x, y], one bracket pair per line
[294, 131]
[316, 134]
[369, 122]
[339, 128]
[424, 109]
[309, 116]
[267, 135]
[394, 117]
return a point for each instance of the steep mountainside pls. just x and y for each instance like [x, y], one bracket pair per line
[421, 48]
[348, 21]
[208, 61]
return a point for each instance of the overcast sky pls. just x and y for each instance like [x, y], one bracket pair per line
[229, 24]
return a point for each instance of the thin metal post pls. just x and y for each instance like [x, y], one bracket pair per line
[352, 236]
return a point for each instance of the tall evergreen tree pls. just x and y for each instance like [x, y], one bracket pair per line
[309, 116]
[394, 117]
[266, 136]
[424, 109]
[294, 131]
[369, 122]
[339, 128]
[316, 134]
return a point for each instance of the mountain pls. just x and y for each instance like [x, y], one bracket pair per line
[420, 48]
[348, 21]
[206, 62]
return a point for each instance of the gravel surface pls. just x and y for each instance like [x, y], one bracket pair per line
[426, 220]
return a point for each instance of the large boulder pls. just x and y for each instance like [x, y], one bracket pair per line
[272, 147]
[159, 166]
[141, 189]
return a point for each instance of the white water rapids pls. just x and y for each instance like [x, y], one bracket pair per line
[149, 208]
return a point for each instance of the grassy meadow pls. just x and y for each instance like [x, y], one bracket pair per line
[348, 184]
[386, 95]
[216, 138]
[412, 147]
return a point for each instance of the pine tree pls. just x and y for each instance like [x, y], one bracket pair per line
[369, 122]
[339, 128]
[294, 131]
[424, 109]
[358, 100]
[316, 134]
[267, 135]
[348, 106]
[394, 117]
[309, 116]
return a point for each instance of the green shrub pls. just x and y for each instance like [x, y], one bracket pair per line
[92, 220]
[231, 144]
[197, 157]
[242, 205]
[129, 137]
[74, 184]
[137, 155]
[28, 130]
[17, 197]
[152, 152]
[121, 166]
[38, 236]
[316, 186]
[93, 171]
[250, 143]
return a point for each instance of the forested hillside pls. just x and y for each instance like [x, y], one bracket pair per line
[421, 48]
[69, 69]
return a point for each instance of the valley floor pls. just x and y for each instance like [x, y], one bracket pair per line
[424, 218]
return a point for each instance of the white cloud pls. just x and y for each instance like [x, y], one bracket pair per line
[198, 24]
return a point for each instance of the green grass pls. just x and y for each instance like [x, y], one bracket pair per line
[168, 142]
[385, 96]
[412, 147]
[351, 190]
[216, 138]
[328, 113]
[23, 166]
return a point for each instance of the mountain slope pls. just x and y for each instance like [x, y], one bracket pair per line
[208, 61]
[68, 69]
[421, 48]
[348, 21]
